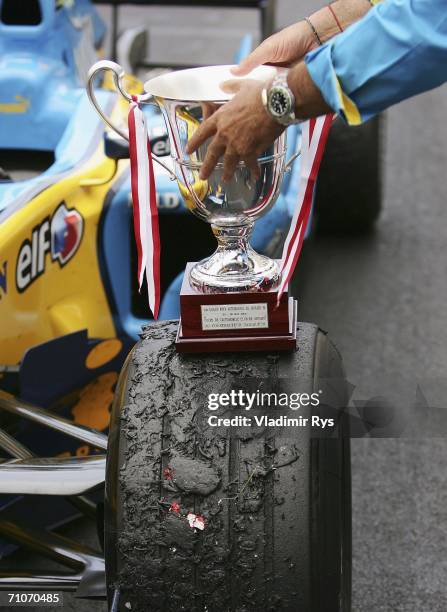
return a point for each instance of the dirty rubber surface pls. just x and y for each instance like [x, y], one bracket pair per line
[251, 489]
[186, 466]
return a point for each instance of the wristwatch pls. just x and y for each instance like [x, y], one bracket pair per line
[279, 101]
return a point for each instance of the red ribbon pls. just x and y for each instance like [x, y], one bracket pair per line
[145, 212]
[314, 134]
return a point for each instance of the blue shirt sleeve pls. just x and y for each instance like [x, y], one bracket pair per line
[399, 49]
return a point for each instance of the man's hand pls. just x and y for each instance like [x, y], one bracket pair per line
[284, 48]
[290, 45]
[241, 131]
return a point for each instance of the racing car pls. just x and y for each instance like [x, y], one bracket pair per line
[70, 318]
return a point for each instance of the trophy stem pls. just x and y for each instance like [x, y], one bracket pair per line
[235, 265]
[235, 237]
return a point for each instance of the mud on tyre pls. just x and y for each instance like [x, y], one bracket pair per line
[283, 543]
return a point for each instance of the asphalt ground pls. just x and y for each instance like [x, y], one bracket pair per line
[382, 298]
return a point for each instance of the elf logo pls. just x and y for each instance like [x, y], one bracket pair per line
[60, 236]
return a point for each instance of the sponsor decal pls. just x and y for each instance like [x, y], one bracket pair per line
[20, 106]
[159, 139]
[66, 233]
[61, 236]
[3, 279]
[168, 199]
[160, 145]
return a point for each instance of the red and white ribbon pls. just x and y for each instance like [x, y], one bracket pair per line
[145, 212]
[314, 135]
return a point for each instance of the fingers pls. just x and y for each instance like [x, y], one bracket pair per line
[231, 161]
[214, 153]
[252, 164]
[232, 86]
[261, 55]
[208, 109]
[235, 85]
[205, 131]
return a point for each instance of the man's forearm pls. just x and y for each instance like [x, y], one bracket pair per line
[396, 51]
[309, 101]
[346, 11]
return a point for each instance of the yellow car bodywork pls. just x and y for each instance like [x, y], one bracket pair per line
[59, 299]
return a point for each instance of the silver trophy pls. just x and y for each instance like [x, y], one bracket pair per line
[185, 98]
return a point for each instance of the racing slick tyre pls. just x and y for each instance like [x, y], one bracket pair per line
[349, 189]
[202, 518]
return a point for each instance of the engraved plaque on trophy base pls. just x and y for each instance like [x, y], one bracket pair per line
[233, 321]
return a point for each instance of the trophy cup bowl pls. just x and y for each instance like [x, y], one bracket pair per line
[186, 98]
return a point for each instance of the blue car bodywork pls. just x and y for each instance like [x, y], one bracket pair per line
[44, 67]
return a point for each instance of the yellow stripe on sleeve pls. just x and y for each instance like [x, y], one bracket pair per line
[349, 108]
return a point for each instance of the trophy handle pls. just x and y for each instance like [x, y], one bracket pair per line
[289, 164]
[118, 76]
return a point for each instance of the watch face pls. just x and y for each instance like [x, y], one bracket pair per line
[279, 102]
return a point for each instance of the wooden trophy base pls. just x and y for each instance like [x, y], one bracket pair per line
[226, 322]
